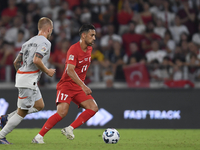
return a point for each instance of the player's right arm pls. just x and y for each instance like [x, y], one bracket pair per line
[18, 61]
[37, 60]
[72, 74]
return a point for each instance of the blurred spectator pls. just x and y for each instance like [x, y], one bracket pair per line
[140, 27]
[184, 48]
[97, 54]
[166, 14]
[97, 61]
[149, 36]
[134, 53]
[177, 73]
[8, 13]
[22, 6]
[53, 8]
[65, 7]
[159, 29]
[155, 72]
[130, 37]
[155, 53]
[178, 54]
[19, 42]
[110, 35]
[11, 34]
[184, 37]
[86, 15]
[176, 5]
[146, 15]
[2, 31]
[98, 36]
[58, 58]
[109, 16]
[62, 24]
[108, 79]
[124, 16]
[178, 29]
[193, 50]
[73, 3]
[166, 68]
[11, 10]
[107, 73]
[156, 7]
[116, 58]
[135, 6]
[75, 23]
[99, 6]
[196, 36]
[193, 67]
[7, 56]
[169, 44]
[30, 25]
[188, 17]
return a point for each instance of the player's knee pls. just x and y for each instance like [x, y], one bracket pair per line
[62, 113]
[95, 108]
[40, 107]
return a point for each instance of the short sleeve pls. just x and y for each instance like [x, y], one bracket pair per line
[42, 49]
[71, 56]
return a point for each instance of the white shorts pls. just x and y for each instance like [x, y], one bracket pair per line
[27, 98]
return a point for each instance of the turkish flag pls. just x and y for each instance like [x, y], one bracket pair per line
[136, 75]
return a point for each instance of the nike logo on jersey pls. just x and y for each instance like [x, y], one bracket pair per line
[81, 61]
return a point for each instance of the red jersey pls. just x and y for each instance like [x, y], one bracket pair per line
[75, 56]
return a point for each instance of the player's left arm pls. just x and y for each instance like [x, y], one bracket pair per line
[18, 61]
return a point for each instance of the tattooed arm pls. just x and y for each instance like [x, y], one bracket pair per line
[18, 61]
[37, 60]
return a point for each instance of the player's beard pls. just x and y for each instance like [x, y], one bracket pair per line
[90, 43]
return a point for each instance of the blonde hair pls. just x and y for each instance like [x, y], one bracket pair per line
[43, 22]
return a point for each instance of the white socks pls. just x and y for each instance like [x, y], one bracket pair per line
[13, 120]
[11, 124]
[11, 114]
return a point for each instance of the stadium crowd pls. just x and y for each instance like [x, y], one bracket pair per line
[162, 34]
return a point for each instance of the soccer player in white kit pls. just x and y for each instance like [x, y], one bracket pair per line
[29, 64]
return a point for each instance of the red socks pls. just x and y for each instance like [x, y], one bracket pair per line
[52, 121]
[82, 118]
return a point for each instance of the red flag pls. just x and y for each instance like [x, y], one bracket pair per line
[136, 75]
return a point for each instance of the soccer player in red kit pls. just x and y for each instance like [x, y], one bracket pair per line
[71, 87]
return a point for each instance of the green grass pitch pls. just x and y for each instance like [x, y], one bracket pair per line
[91, 139]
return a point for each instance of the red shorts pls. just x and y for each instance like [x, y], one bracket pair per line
[66, 96]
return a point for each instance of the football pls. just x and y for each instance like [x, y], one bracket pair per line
[111, 136]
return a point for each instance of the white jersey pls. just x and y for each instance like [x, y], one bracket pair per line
[28, 74]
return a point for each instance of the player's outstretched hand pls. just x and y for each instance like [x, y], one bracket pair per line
[51, 72]
[87, 90]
